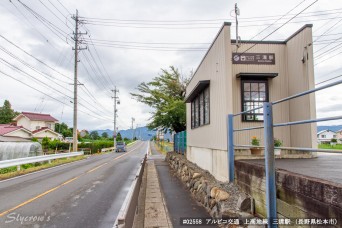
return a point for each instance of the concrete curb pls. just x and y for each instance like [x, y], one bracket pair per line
[156, 213]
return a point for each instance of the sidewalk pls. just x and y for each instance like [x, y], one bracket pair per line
[163, 199]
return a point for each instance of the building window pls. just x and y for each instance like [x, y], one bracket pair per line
[323, 136]
[200, 109]
[254, 94]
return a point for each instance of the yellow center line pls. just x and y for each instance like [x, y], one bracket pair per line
[97, 167]
[39, 196]
[57, 187]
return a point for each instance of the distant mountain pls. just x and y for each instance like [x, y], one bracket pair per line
[142, 133]
[331, 128]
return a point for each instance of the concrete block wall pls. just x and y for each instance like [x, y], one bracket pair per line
[298, 196]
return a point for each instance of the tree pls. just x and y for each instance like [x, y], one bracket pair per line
[94, 135]
[119, 137]
[7, 114]
[45, 143]
[165, 94]
[105, 135]
[63, 129]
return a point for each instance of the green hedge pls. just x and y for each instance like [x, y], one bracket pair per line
[94, 146]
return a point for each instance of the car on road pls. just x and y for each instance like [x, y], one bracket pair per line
[120, 146]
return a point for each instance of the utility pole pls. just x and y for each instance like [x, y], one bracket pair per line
[237, 13]
[132, 128]
[115, 91]
[76, 49]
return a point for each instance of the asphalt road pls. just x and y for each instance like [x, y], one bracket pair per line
[87, 193]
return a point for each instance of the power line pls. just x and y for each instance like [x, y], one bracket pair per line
[335, 48]
[277, 20]
[42, 62]
[149, 48]
[64, 7]
[103, 84]
[326, 31]
[54, 14]
[147, 43]
[31, 76]
[28, 21]
[329, 79]
[45, 74]
[330, 57]
[67, 19]
[307, 14]
[98, 56]
[97, 117]
[32, 87]
[52, 27]
[281, 26]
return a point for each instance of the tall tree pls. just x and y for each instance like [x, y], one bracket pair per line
[63, 129]
[7, 113]
[104, 135]
[119, 137]
[165, 94]
[94, 135]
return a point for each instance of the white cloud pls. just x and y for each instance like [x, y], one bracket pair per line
[127, 67]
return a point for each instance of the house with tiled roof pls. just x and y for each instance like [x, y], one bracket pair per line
[35, 121]
[40, 125]
[11, 132]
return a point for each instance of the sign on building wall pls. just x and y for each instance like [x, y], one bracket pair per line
[254, 58]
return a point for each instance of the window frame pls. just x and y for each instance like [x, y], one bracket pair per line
[197, 113]
[250, 80]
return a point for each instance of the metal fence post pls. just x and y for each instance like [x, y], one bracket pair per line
[230, 142]
[185, 142]
[271, 194]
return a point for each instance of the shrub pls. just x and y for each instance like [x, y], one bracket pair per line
[333, 140]
[277, 142]
[255, 141]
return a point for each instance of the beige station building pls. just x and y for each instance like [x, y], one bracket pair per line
[230, 80]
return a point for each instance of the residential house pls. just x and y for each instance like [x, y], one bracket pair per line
[326, 136]
[339, 136]
[13, 133]
[40, 125]
[234, 78]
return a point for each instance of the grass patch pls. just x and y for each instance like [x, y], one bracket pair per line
[10, 172]
[330, 147]
[164, 147]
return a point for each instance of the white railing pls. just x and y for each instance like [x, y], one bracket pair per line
[27, 160]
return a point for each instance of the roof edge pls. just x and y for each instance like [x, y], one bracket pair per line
[298, 31]
[226, 23]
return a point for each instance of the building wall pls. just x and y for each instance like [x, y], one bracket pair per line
[277, 90]
[31, 125]
[44, 134]
[25, 122]
[41, 124]
[19, 133]
[328, 135]
[207, 145]
[213, 67]
[301, 78]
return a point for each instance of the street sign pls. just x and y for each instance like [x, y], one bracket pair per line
[254, 58]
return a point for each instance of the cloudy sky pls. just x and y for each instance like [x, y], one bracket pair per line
[130, 41]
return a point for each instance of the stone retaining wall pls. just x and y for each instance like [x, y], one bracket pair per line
[298, 196]
[220, 199]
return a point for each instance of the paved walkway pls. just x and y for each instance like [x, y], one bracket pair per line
[156, 214]
[326, 166]
[178, 199]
